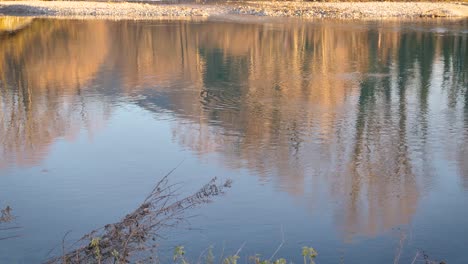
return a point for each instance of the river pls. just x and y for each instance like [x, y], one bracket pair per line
[350, 137]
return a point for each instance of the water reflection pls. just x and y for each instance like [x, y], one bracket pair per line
[43, 70]
[10, 24]
[358, 112]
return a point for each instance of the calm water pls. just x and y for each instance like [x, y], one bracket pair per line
[346, 136]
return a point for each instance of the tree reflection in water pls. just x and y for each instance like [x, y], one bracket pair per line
[302, 104]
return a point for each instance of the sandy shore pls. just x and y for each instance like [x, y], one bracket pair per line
[345, 10]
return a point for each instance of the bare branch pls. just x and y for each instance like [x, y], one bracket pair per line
[133, 238]
[280, 246]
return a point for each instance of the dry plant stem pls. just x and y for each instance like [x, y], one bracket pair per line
[133, 238]
[240, 249]
[400, 249]
[9, 228]
[222, 253]
[8, 237]
[63, 247]
[6, 217]
[280, 246]
[202, 253]
[415, 258]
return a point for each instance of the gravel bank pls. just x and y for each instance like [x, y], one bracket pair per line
[345, 10]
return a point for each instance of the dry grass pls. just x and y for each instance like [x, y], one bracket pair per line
[134, 237]
[6, 217]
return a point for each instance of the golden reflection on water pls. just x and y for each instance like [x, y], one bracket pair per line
[11, 24]
[301, 104]
[39, 66]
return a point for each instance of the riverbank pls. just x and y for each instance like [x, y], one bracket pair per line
[342, 10]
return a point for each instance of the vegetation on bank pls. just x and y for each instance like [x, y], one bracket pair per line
[308, 254]
[6, 218]
[133, 239]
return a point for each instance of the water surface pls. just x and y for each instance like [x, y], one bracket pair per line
[346, 136]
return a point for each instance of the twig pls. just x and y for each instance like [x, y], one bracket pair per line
[400, 249]
[133, 236]
[280, 246]
[5, 238]
[63, 246]
[222, 252]
[10, 228]
[203, 252]
[415, 257]
[5, 215]
[240, 249]
[165, 177]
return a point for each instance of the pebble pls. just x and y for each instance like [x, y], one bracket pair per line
[128, 10]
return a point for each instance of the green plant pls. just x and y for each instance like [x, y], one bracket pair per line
[97, 251]
[257, 260]
[209, 256]
[231, 259]
[179, 253]
[115, 254]
[309, 253]
[280, 261]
